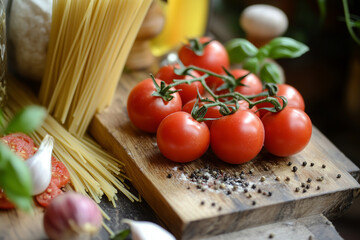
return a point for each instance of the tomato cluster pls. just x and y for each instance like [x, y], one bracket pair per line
[193, 105]
[25, 147]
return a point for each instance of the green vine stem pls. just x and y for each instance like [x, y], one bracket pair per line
[349, 22]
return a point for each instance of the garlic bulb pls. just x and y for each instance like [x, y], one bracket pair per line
[142, 230]
[40, 165]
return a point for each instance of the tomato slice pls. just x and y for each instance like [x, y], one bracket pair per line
[60, 175]
[4, 201]
[49, 194]
[21, 144]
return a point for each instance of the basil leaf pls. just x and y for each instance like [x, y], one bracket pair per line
[122, 235]
[15, 178]
[269, 72]
[252, 64]
[239, 49]
[284, 47]
[27, 120]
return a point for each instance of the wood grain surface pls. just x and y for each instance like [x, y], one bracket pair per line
[192, 210]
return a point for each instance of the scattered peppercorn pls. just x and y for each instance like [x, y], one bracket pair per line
[169, 175]
[289, 163]
[302, 185]
[318, 188]
[287, 179]
[262, 179]
[188, 188]
[213, 204]
[253, 186]
[251, 171]
[319, 179]
[271, 235]
[294, 169]
[253, 203]
[307, 186]
[338, 176]
[304, 190]
[312, 164]
[297, 189]
[309, 180]
[304, 163]
[202, 203]
[259, 190]
[277, 178]
[269, 194]
[323, 166]
[220, 208]
[245, 190]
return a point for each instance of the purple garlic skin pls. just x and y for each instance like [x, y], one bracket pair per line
[72, 216]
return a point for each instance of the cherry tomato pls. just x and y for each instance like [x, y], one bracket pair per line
[181, 138]
[188, 91]
[237, 138]
[252, 83]
[59, 174]
[286, 132]
[214, 58]
[212, 112]
[21, 144]
[49, 194]
[4, 201]
[146, 111]
[292, 95]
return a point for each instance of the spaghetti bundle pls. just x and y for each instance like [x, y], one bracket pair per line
[92, 171]
[89, 43]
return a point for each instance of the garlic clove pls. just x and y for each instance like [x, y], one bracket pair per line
[142, 230]
[40, 165]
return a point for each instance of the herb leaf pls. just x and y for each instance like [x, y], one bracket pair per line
[270, 73]
[252, 64]
[239, 49]
[122, 235]
[27, 120]
[284, 47]
[15, 178]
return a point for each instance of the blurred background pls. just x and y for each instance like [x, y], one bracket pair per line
[328, 76]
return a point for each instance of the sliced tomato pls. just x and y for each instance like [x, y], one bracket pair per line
[21, 144]
[49, 194]
[60, 175]
[4, 201]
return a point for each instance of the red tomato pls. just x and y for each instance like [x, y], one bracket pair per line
[4, 201]
[59, 174]
[146, 111]
[212, 112]
[252, 83]
[21, 144]
[49, 194]
[292, 95]
[286, 132]
[214, 58]
[181, 138]
[237, 138]
[188, 91]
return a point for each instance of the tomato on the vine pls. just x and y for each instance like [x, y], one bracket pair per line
[252, 83]
[181, 138]
[212, 112]
[286, 132]
[213, 58]
[292, 95]
[188, 91]
[237, 138]
[145, 110]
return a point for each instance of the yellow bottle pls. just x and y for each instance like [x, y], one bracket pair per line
[184, 19]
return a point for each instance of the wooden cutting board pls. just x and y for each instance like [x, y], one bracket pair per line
[191, 209]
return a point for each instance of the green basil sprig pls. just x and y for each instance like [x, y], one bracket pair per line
[255, 60]
[15, 178]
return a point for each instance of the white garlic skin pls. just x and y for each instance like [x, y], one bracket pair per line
[72, 216]
[40, 166]
[143, 230]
